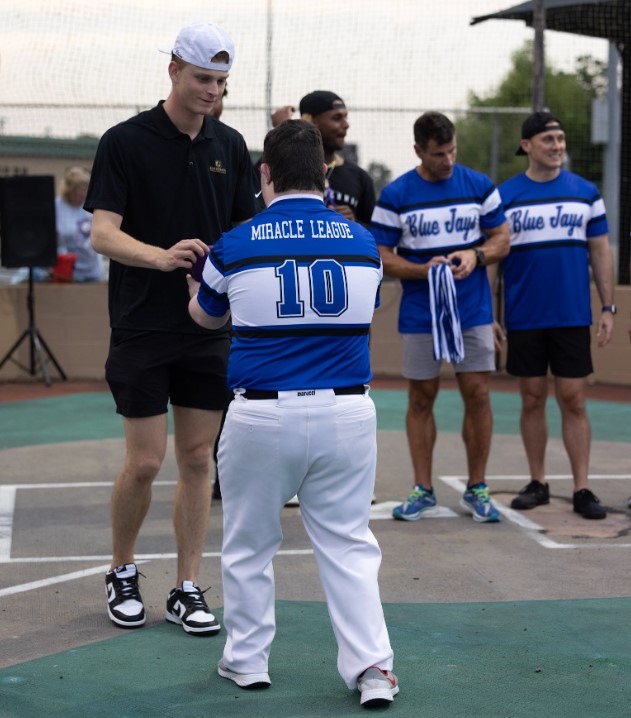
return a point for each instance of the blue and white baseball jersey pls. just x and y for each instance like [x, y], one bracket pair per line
[426, 219]
[302, 283]
[546, 274]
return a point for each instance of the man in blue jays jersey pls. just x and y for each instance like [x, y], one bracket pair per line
[443, 213]
[301, 283]
[558, 230]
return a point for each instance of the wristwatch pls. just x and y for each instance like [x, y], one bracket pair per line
[610, 308]
[480, 258]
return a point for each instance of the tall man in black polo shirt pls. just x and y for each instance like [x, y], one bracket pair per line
[165, 185]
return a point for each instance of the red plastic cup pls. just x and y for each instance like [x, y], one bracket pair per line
[62, 271]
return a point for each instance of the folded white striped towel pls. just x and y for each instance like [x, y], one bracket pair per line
[446, 331]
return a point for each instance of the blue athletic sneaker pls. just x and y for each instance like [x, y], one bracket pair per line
[419, 502]
[476, 499]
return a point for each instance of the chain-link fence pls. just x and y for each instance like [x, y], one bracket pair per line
[72, 69]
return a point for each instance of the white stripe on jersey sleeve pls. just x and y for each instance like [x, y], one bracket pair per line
[212, 277]
[492, 202]
[386, 218]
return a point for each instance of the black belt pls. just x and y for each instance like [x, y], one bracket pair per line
[264, 394]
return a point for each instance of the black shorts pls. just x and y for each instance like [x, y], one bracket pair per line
[145, 369]
[566, 350]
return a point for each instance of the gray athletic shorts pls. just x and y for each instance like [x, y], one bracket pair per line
[418, 353]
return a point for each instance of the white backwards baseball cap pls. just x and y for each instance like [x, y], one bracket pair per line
[199, 43]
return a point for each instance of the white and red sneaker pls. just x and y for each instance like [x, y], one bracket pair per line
[377, 687]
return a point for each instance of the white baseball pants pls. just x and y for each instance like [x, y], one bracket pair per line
[323, 448]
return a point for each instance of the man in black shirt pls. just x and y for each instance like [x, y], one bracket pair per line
[165, 185]
[349, 189]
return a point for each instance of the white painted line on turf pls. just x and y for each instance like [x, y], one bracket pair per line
[379, 511]
[45, 582]
[82, 485]
[7, 509]
[532, 529]
[139, 557]
[383, 511]
[553, 477]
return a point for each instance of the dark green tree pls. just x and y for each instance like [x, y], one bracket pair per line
[380, 175]
[567, 95]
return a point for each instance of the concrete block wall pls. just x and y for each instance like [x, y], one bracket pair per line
[72, 318]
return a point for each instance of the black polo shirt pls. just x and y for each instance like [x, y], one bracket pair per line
[167, 187]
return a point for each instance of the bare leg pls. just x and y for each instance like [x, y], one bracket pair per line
[131, 496]
[570, 395]
[533, 423]
[195, 432]
[477, 424]
[421, 428]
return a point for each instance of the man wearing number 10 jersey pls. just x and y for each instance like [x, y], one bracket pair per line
[301, 283]
[296, 278]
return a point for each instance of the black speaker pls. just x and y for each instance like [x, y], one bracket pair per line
[28, 236]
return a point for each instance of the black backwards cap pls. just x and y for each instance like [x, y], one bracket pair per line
[315, 103]
[536, 123]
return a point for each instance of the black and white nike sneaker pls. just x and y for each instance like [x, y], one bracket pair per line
[124, 602]
[187, 607]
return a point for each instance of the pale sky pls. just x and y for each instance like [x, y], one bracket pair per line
[396, 55]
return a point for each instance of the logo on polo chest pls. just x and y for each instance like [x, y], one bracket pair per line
[218, 168]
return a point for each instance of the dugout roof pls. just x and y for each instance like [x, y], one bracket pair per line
[611, 20]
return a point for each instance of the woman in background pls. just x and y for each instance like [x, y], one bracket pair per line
[74, 224]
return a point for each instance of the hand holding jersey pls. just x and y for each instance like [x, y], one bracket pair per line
[443, 213]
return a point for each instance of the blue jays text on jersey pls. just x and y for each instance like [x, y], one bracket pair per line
[521, 220]
[546, 274]
[301, 283]
[463, 225]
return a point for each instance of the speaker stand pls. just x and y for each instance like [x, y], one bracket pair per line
[39, 352]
